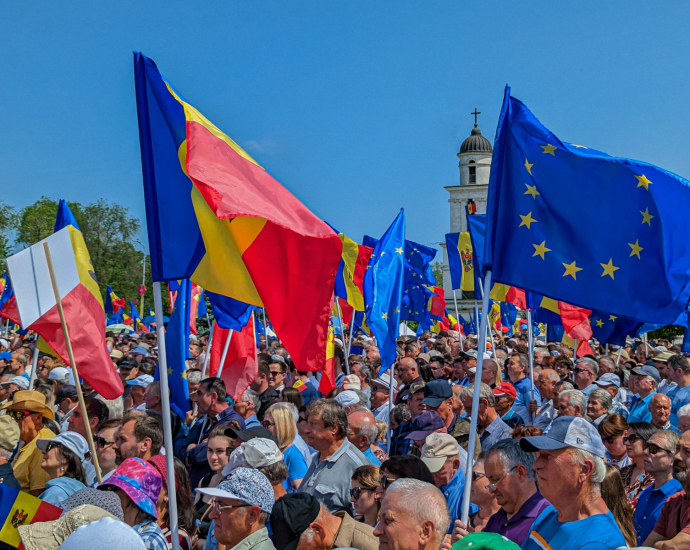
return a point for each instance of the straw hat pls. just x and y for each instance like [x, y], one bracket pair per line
[30, 400]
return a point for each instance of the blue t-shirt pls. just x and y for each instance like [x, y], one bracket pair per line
[297, 465]
[453, 492]
[598, 532]
[371, 457]
[523, 387]
[649, 505]
[639, 410]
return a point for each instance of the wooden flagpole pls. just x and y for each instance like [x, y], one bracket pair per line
[73, 364]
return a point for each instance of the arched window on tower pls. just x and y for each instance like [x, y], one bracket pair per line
[473, 172]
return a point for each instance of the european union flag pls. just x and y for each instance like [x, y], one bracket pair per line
[550, 227]
[177, 346]
[383, 289]
[230, 313]
[611, 329]
[418, 258]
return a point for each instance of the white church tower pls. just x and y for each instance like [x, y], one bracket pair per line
[475, 165]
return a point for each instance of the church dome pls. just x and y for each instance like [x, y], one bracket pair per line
[476, 143]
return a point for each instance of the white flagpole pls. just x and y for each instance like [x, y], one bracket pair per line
[530, 349]
[352, 330]
[342, 333]
[34, 366]
[618, 359]
[165, 401]
[607, 349]
[225, 353]
[207, 357]
[391, 372]
[475, 400]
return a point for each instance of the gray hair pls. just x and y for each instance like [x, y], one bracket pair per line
[608, 361]
[565, 385]
[194, 377]
[650, 379]
[250, 396]
[422, 501]
[575, 399]
[591, 363]
[684, 411]
[331, 413]
[365, 370]
[602, 396]
[23, 359]
[599, 471]
[484, 393]
[5, 454]
[552, 375]
[510, 455]
[541, 349]
[672, 438]
[401, 413]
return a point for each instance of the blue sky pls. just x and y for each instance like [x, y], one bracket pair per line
[358, 108]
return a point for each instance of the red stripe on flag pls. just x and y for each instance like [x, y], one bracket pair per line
[241, 365]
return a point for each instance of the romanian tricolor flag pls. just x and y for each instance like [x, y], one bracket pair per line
[327, 383]
[20, 508]
[216, 217]
[350, 277]
[137, 324]
[241, 365]
[35, 308]
[113, 303]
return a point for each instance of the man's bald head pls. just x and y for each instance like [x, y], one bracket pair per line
[408, 369]
[489, 371]
[660, 409]
[362, 430]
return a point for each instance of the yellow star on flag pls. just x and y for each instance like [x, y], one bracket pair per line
[646, 217]
[549, 149]
[169, 371]
[384, 316]
[609, 268]
[642, 181]
[528, 166]
[600, 323]
[527, 220]
[540, 250]
[636, 249]
[571, 269]
[397, 310]
[399, 250]
[532, 190]
[612, 317]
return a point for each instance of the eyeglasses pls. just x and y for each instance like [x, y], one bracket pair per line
[357, 491]
[19, 415]
[219, 508]
[491, 487]
[301, 419]
[386, 481]
[609, 440]
[477, 475]
[273, 374]
[632, 438]
[267, 424]
[102, 442]
[578, 369]
[654, 449]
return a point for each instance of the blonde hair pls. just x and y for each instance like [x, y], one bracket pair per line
[286, 428]
[382, 427]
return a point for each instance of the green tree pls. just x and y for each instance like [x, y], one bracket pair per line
[437, 269]
[8, 220]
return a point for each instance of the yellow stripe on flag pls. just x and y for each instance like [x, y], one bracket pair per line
[87, 276]
[350, 255]
[24, 508]
[465, 250]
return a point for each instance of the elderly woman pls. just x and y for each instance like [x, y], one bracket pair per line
[598, 404]
[280, 421]
[62, 460]
[612, 429]
[364, 482]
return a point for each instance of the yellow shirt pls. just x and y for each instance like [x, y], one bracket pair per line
[27, 464]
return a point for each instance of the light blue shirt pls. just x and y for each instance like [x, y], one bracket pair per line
[649, 505]
[523, 388]
[372, 457]
[679, 397]
[453, 491]
[639, 410]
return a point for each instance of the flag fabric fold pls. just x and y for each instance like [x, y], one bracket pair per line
[350, 276]
[241, 365]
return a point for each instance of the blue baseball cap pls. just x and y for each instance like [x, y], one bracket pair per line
[648, 370]
[436, 392]
[566, 431]
[140, 351]
[424, 424]
[141, 381]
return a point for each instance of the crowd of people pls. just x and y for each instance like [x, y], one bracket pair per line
[575, 453]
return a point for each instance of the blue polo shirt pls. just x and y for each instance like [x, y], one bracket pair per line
[524, 396]
[597, 532]
[371, 457]
[639, 409]
[453, 491]
[678, 397]
[649, 505]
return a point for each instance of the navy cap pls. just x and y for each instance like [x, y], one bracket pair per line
[424, 424]
[566, 431]
[436, 392]
[648, 370]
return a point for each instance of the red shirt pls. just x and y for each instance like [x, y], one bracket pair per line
[675, 517]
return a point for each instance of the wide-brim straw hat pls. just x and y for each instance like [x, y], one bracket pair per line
[30, 400]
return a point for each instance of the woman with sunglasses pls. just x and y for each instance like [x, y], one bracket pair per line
[612, 429]
[363, 484]
[280, 421]
[635, 479]
[62, 460]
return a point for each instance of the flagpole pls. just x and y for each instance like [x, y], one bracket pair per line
[263, 309]
[530, 349]
[207, 357]
[352, 329]
[143, 281]
[225, 353]
[607, 349]
[165, 402]
[475, 399]
[73, 364]
[457, 317]
[34, 365]
[342, 332]
[618, 359]
[390, 403]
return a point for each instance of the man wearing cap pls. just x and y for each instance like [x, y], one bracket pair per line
[350, 401]
[570, 469]
[14, 384]
[59, 376]
[505, 397]
[399, 444]
[517, 368]
[490, 427]
[9, 437]
[678, 370]
[299, 521]
[137, 388]
[647, 380]
[611, 383]
[28, 408]
[328, 476]
[409, 374]
[263, 455]
[441, 455]
[240, 507]
[380, 395]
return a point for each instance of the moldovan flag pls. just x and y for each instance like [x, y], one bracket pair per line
[35, 307]
[241, 365]
[20, 508]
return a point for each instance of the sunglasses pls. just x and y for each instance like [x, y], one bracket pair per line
[477, 475]
[654, 449]
[632, 438]
[386, 481]
[578, 369]
[267, 424]
[357, 491]
[301, 419]
[610, 440]
[102, 442]
[19, 415]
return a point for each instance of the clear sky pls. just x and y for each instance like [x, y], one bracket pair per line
[358, 108]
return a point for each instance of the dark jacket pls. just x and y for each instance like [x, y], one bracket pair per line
[267, 398]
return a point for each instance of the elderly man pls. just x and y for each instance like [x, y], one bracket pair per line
[240, 507]
[660, 409]
[362, 432]
[672, 530]
[572, 403]
[299, 521]
[505, 397]
[684, 418]
[606, 365]
[379, 397]
[678, 370]
[363, 372]
[658, 463]
[18, 363]
[489, 424]
[570, 468]
[247, 406]
[611, 383]
[546, 382]
[413, 517]
[586, 371]
[328, 476]
[646, 379]
[598, 405]
[517, 368]
[409, 374]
